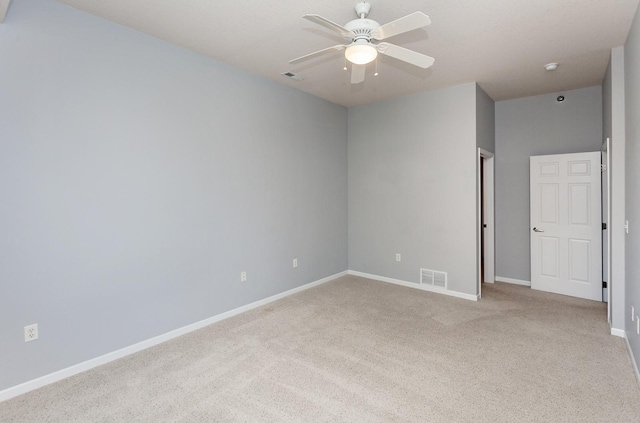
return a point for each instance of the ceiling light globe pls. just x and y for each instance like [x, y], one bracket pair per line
[361, 54]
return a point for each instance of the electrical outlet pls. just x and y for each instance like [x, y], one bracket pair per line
[626, 226]
[398, 257]
[295, 262]
[31, 332]
[243, 276]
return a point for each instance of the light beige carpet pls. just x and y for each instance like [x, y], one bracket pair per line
[356, 350]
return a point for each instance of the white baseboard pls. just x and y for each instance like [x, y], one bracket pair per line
[633, 360]
[415, 285]
[513, 281]
[115, 355]
[618, 332]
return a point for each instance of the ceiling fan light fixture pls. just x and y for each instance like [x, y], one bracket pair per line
[361, 54]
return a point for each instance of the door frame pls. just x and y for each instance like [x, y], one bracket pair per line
[485, 163]
[606, 148]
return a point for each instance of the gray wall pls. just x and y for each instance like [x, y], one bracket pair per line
[139, 179]
[613, 116]
[527, 127]
[485, 139]
[485, 121]
[632, 100]
[412, 186]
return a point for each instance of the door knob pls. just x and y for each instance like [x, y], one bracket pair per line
[537, 230]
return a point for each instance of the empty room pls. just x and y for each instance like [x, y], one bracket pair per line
[382, 211]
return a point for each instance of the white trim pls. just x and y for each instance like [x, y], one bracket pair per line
[115, 355]
[609, 232]
[513, 281]
[633, 360]
[415, 285]
[618, 332]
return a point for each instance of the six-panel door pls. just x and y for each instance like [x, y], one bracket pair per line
[565, 224]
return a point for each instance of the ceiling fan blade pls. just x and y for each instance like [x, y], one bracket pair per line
[331, 25]
[317, 53]
[406, 55]
[357, 73]
[408, 23]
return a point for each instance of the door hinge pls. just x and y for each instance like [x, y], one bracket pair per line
[604, 284]
[604, 226]
[603, 167]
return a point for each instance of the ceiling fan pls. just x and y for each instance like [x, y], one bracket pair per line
[359, 34]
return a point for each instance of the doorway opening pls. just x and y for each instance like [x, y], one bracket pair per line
[486, 220]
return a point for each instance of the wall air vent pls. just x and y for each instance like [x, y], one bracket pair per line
[293, 76]
[433, 278]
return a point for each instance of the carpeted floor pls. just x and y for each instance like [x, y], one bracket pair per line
[356, 350]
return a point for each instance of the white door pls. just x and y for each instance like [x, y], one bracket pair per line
[566, 249]
[605, 222]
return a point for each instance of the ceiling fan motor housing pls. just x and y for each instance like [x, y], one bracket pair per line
[362, 28]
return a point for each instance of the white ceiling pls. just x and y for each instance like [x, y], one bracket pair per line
[501, 44]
